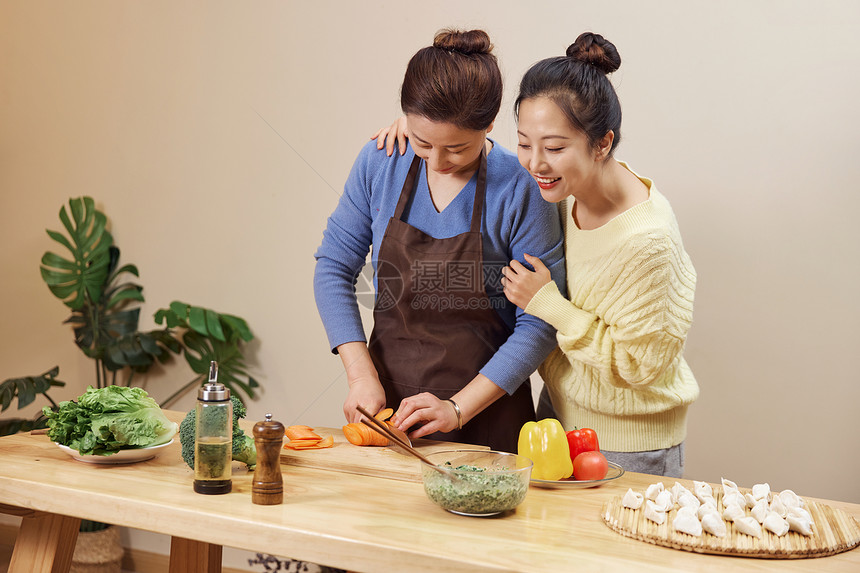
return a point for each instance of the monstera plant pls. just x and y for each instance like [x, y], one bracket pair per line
[105, 316]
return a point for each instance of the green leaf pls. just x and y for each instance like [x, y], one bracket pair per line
[9, 426]
[180, 309]
[213, 325]
[197, 319]
[127, 269]
[7, 392]
[168, 316]
[26, 388]
[239, 325]
[26, 392]
[127, 292]
[82, 277]
[60, 238]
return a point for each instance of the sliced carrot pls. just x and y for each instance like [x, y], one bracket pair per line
[304, 438]
[299, 432]
[308, 445]
[378, 439]
[353, 434]
[361, 435]
[304, 447]
[384, 414]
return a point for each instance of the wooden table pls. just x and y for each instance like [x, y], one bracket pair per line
[339, 519]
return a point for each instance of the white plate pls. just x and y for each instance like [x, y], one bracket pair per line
[615, 472]
[121, 457]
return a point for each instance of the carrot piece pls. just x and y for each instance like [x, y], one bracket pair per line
[302, 448]
[375, 438]
[384, 414]
[361, 435]
[326, 442]
[316, 445]
[352, 434]
[299, 432]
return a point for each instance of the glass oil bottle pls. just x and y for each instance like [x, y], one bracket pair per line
[213, 444]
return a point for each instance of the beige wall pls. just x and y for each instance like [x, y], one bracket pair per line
[217, 136]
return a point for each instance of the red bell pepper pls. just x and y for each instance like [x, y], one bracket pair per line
[582, 440]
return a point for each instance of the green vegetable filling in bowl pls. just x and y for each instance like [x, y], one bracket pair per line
[481, 483]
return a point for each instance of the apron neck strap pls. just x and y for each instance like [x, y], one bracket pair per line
[408, 186]
[480, 190]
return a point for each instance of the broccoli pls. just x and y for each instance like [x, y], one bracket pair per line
[244, 450]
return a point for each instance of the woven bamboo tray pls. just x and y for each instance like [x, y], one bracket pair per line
[834, 532]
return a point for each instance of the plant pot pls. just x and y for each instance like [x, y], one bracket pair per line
[98, 552]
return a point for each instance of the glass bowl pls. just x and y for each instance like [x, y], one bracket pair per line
[484, 482]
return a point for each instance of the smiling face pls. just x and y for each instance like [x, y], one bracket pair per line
[447, 149]
[556, 154]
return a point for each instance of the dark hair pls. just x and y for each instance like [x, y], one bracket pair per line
[578, 84]
[456, 80]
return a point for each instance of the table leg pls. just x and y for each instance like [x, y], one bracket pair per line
[189, 556]
[45, 544]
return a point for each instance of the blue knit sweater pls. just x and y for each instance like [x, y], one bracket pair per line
[516, 220]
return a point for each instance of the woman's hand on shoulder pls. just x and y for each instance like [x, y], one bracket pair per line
[520, 284]
[394, 133]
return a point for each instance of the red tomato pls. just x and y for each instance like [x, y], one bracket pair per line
[581, 440]
[590, 465]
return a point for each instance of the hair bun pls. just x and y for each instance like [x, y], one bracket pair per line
[596, 50]
[471, 42]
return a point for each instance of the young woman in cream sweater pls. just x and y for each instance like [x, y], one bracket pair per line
[623, 322]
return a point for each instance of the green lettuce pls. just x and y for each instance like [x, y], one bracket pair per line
[105, 420]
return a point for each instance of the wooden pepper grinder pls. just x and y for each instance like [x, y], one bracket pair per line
[268, 485]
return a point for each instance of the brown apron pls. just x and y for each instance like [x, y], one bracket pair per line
[434, 325]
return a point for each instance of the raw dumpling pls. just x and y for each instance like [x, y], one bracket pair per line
[748, 525]
[632, 499]
[687, 499]
[663, 501]
[654, 490]
[760, 491]
[713, 523]
[728, 485]
[759, 510]
[651, 512]
[790, 499]
[702, 489]
[799, 524]
[799, 512]
[734, 497]
[677, 490]
[733, 512]
[778, 506]
[775, 523]
[708, 506]
[686, 521]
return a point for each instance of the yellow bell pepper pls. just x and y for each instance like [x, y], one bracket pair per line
[545, 443]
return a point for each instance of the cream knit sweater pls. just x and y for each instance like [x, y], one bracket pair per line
[619, 365]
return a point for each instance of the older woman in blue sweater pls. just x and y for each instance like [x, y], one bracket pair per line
[448, 351]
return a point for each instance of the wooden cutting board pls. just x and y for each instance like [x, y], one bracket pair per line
[374, 461]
